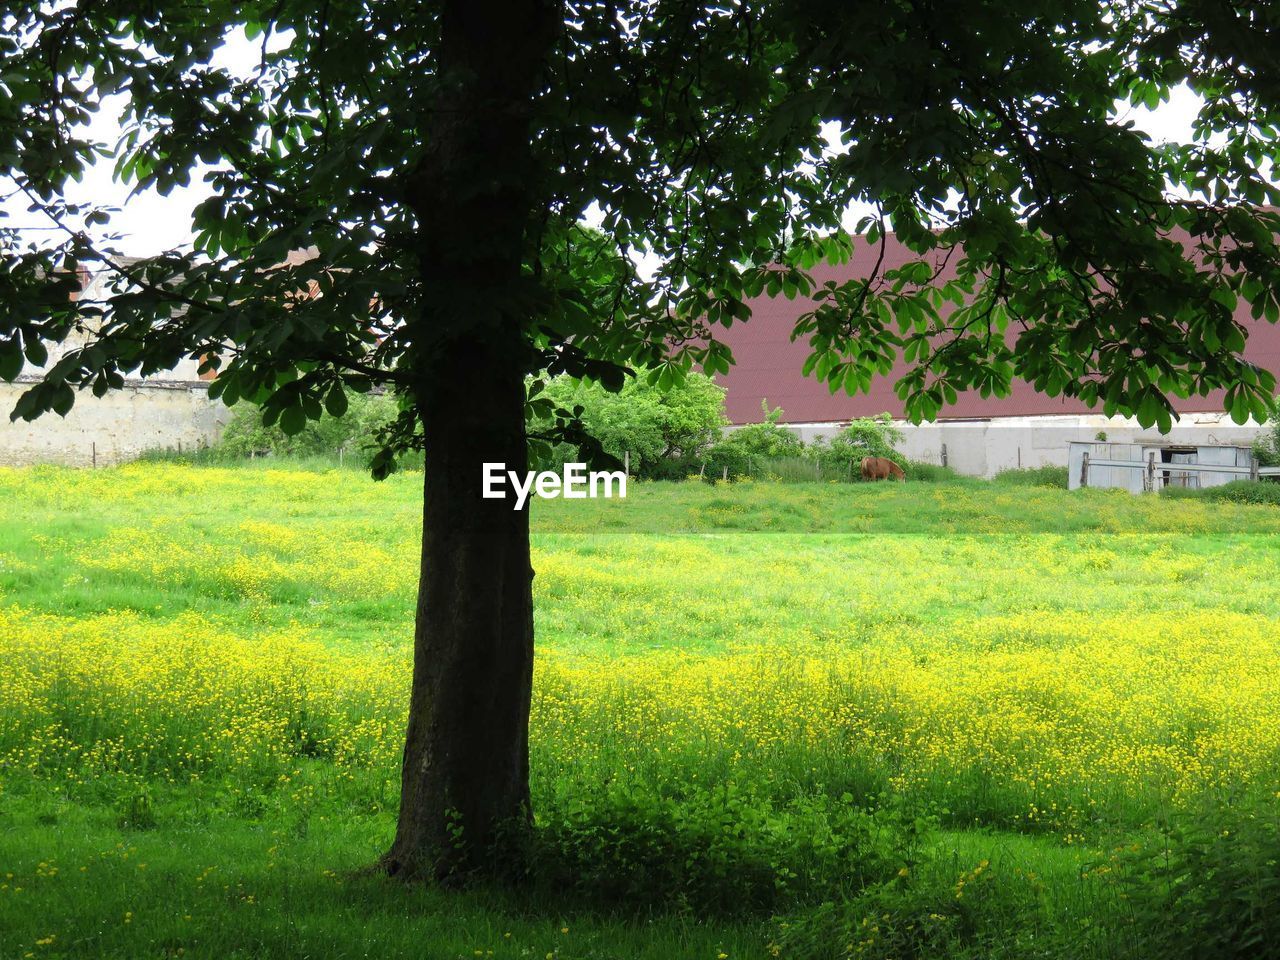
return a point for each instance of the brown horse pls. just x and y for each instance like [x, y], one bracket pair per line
[881, 468]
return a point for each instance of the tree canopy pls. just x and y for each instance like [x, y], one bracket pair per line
[982, 129]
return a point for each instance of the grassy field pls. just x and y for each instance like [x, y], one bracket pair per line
[805, 720]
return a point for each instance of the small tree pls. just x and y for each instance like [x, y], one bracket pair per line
[356, 431]
[650, 422]
[766, 439]
[864, 437]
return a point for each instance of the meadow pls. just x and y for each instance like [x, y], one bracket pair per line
[956, 719]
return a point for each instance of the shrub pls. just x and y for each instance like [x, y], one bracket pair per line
[869, 437]
[743, 451]
[944, 910]
[246, 435]
[773, 450]
[865, 437]
[726, 851]
[1209, 887]
[1267, 447]
[1034, 477]
[1244, 491]
[766, 439]
[1237, 491]
[655, 426]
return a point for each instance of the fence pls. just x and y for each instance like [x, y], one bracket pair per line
[1174, 474]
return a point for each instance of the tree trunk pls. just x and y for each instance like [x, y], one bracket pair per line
[465, 776]
[466, 759]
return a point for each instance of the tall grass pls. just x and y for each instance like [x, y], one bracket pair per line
[926, 721]
[1034, 477]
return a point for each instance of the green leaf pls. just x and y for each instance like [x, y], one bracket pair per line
[293, 420]
[1240, 408]
[64, 399]
[383, 464]
[37, 353]
[10, 361]
[335, 402]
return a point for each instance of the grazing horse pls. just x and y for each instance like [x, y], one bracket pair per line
[881, 468]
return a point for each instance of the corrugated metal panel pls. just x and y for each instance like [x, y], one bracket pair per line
[1227, 455]
[1102, 476]
[1075, 457]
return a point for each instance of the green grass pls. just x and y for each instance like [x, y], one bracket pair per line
[687, 635]
[234, 888]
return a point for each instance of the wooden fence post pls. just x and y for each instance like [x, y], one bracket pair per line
[626, 462]
[944, 454]
[94, 445]
[1151, 471]
[1253, 469]
[1084, 470]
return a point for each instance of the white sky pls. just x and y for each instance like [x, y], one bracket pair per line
[151, 223]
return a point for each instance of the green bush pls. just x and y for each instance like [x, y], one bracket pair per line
[725, 851]
[1208, 887]
[942, 910]
[1244, 491]
[765, 440]
[770, 450]
[661, 429]
[319, 442]
[1034, 477]
[1237, 491]
[864, 437]
[745, 451]
[247, 436]
[1266, 449]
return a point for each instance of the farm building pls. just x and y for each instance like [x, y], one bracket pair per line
[1156, 463]
[978, 436]
[172, 411]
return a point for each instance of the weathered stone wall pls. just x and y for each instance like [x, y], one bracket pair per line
[145, 415]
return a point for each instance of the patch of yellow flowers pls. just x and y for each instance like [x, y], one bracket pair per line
[1049, 718]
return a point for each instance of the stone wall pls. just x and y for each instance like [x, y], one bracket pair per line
[145, 415]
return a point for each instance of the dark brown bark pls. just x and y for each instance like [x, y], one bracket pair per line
[466, 760]
[465, 776]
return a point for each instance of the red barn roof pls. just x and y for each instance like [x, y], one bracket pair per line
[768, 364]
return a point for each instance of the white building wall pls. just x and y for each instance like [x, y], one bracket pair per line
[983, 448]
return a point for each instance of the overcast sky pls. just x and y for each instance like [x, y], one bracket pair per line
[152, 223]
